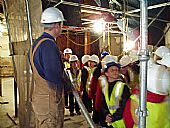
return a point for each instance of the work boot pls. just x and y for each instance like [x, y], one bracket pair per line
[71, 114]
[78, 113]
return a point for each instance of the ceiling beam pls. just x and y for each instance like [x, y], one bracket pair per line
[151, 7]
[86, 6]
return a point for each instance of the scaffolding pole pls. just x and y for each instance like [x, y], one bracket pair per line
[143, 57]
[28, 68]
[80, 103]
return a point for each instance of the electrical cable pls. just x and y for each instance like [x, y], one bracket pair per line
[83, 44]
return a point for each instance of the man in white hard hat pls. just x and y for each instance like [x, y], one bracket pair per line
[50, 78]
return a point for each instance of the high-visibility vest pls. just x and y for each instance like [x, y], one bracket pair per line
[76, 79]
[158, 113]
[113, 101]
[90, 75]
[66, 65]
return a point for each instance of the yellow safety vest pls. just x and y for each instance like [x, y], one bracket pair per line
[113, 101]
[159, 115]
[66, 65]
[76, 80]
[90, 75]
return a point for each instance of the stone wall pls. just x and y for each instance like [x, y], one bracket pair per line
[6, 67]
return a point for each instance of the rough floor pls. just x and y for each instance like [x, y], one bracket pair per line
[7, 119]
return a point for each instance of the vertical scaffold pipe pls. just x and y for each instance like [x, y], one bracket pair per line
[29, 22]
[143, 57]
[28, 67]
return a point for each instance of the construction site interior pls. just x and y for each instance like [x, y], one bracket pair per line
[91, 27]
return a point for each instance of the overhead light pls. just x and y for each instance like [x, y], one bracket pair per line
[98, 25]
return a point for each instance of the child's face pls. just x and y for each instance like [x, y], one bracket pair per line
[112, 72]
[93, 64]
[67, 56]
[74, 64]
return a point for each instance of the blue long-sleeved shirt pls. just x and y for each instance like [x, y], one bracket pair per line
[48, 62]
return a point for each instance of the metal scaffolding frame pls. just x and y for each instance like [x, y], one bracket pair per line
[150, 7]
[143, 57]
[130, 13]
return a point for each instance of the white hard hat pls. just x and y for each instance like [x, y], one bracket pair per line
[109, 61]
[161, 51]
[158, 80]
[133, 56]
[94, 58]
[52, 15]
[68, 50]
[125, 60]
[85, 59]
[165, 60]
[73, 58]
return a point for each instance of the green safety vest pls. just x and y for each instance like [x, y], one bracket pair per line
[158, 114]
[113, 101]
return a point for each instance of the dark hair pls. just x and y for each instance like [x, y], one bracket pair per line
[111, 64]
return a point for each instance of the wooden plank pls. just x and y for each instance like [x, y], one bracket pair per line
[87, 41]
[20, 61]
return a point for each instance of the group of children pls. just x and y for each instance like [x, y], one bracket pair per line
[109, 87]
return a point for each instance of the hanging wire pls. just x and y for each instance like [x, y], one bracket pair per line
[82, 44]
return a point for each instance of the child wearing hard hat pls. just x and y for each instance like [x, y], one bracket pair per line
[67, 53]
[115, 93]
[84, 77]
[157, 94]
[74, 74]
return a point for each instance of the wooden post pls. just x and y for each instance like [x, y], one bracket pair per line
[20, 61]
[0, 85]
[87, 41]
[0, 82]
[67, 39]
